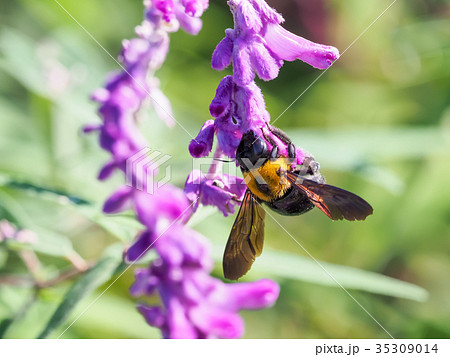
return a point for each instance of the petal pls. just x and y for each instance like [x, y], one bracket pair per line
[119, 200]
[216, 323]
[264, 64]
[179, 325]
[247, 17]
[192, 185]
[192, 25]
[285, 45]
[228, 141]
[107, 170]
[234, 184]
[220, 198]
[141, 246]
[153, 315]
[166, 7]
[255, 295]
[89, 128]
[144, 283]
[162, 107]
[133, 50]
[221, 104]
[221, 57]
[201, 146]
[195, 7]
[251, 106]
[242, 69]
[267, 13]
[299, 155]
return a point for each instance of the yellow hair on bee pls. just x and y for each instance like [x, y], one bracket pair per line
[269, 174]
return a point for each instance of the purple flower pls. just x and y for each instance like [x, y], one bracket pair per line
[258, 44]
[221, 190]
[201, 146]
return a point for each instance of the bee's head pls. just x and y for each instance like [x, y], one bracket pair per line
[251, 148]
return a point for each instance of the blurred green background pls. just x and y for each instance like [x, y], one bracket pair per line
[378, 121]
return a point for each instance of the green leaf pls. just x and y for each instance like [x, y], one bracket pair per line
[100, 322]
[48, 241]
[304, 268]
[297, 267]
[92, 279]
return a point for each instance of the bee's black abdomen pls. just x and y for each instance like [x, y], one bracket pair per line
[293, 203]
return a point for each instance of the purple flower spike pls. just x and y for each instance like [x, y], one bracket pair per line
[201, 146]
[193, 304]
[287, 46]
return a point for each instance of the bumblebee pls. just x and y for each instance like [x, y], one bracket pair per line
[272, 179]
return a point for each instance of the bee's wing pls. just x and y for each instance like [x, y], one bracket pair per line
[246, 238]
[335, 202]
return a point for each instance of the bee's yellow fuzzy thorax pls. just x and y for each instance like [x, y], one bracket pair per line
[269, 172]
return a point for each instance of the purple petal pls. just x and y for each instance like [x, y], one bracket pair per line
[251, 107]
[300, 156]
[221, 103]
[221, 57]
[247, 17]
[228, 140]
[193, 184]
[166, 7]
[133, 51]
[100, 95]
[140, 247]
[201, 146]
[195, 7]
[119, 200]
[242, 69]
[192, 25]
[255, 295]
[215, 323]
[162, 107]
[107, 170]
[153, 315]
[285, 45]
[264, 64]
[144, 283]
[268, 14]
[178, 323]
[89, 128]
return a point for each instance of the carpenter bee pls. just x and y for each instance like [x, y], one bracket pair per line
[272, 179]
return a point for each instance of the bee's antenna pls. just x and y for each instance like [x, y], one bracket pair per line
[222, 160]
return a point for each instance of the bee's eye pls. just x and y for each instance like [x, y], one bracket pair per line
[258, 149]
[251, 148]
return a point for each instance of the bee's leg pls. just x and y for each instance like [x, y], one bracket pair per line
[291, 152]
[280, 134]
[269, 139]
[274, 153]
